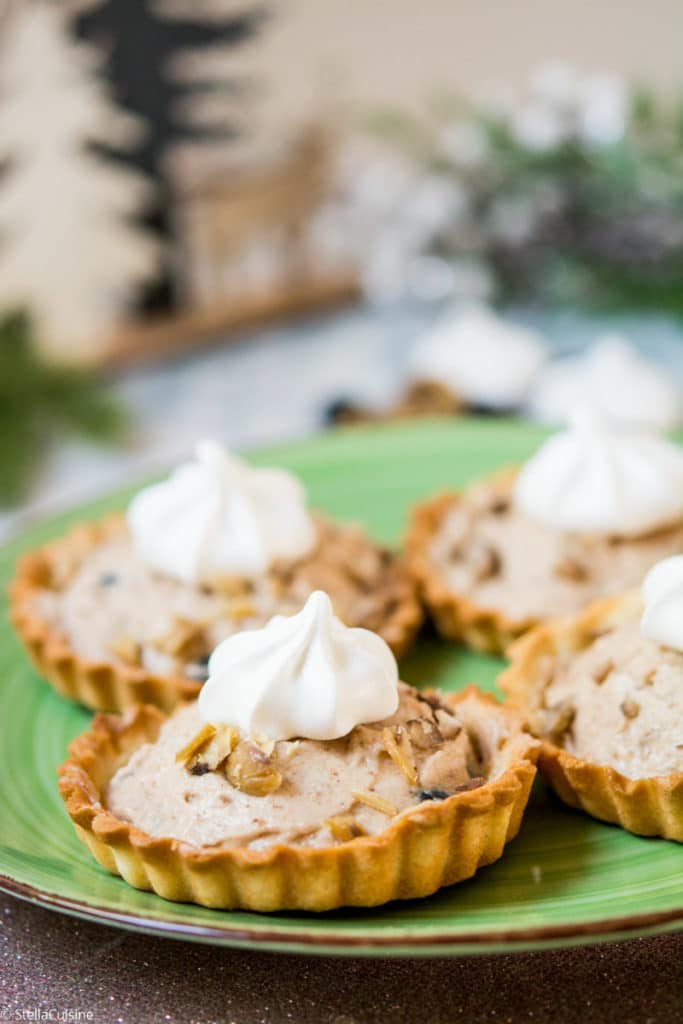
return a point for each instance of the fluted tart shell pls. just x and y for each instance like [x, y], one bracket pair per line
[588, 567]
[113, 684]
[434, 844]
[651, 806]
[456, 615]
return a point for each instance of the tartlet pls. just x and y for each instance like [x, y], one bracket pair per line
[607, 704]
[487, 572]
[422, 398]
[395, 810]
[106, 630]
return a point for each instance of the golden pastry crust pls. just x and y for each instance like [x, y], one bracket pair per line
[96, 684]
[456, 615]
[649, 806]
[435, 844]
[113, 685]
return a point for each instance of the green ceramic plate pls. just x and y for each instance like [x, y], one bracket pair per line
[566, 879]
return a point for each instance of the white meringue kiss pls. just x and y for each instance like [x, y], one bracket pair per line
[613, 380]
[219, 517]
[307, 675]
[481, 357]
[599, 478]
[662, 591]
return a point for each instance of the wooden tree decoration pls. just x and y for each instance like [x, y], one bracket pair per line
[143, 38]
[218, 91]
[70, 250]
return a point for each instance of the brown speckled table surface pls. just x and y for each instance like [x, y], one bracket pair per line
[52, 962]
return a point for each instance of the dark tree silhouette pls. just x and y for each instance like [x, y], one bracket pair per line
[139, 43]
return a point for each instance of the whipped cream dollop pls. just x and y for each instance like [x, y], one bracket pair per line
[481, 357]
[662, 591]
[306, 675]
[597, 477]
[217, 516]
[613, 380]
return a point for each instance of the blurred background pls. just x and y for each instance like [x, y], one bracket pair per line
[259, 220]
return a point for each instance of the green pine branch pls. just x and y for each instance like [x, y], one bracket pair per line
[39, 402]
[613, 233]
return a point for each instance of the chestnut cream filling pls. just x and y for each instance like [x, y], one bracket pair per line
[617, 702]
[206, 786]
[111, 607]
[488, 550]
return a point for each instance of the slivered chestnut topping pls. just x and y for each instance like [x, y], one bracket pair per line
[424, 733]
[397, 744]
[474, 783]
[630, 708]
[499, 507]
[376, 803]
[185, 640]
[601, 672]
[127, 650]
[232, 586]
[432, 699]
[252, 770]
[476, 745]
[344, 827]
[456, 553]
[560, 720]
[208, 748]
[485, 562]
[569, 568]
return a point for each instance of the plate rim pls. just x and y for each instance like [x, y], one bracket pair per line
[331, 942]
[328, 941]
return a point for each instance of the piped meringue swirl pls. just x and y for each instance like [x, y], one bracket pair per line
[662, 590]
[596, 477]
[481, 357]
[306, 675]
[218, 517]
[614, 380]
